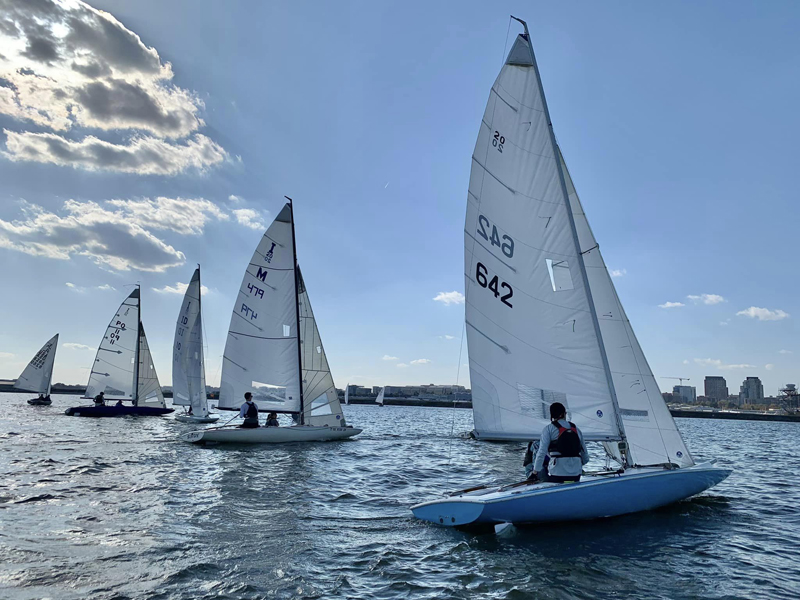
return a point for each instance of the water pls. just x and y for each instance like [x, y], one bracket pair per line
[116, 508]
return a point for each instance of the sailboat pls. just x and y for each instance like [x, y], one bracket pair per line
[37, 375]
[347, 394]
[544, 324]
[379, 399]
[274, 351]
[188, 366]
[123, 369]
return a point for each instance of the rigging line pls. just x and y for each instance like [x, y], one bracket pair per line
[453, 419]
[508, 32]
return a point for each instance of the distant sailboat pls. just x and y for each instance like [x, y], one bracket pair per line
[37, 375]
[188, 366]
[544, 324]
[347, 394]
[274, 351]
[379, 399]
[123, 369]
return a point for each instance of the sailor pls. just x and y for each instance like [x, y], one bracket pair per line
[272, 420]
[249, 412]
[100, 399]
[527, 463]
[119, 403]
[563, 441]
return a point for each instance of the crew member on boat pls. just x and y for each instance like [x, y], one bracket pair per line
[563, 441]
[249, 412]
[272, 420]
[100, 399]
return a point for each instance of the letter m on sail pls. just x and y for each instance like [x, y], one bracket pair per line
[262, 275]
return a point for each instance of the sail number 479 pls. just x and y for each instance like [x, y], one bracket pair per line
[494, 284]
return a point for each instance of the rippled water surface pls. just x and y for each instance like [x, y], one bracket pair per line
[116, 508]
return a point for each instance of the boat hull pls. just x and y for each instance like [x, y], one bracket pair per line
[268, 435]
[117, 411]
[193, 419]
[592, 498]
[40, 401]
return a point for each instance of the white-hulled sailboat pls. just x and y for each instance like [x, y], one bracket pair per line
[544, 324]
[188, 365]
[123, 369]
[274, 351]
[379, 399]
[37, 375]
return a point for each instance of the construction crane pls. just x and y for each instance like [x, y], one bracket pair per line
[681, 379]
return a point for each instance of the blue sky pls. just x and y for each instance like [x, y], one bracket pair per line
[678, 121]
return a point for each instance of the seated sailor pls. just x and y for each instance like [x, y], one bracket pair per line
[249, 412]
[272, 420]
[527, 463]
[100, 399]
[563, 441]
[119, 403]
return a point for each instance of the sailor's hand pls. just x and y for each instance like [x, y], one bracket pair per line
[534, 473]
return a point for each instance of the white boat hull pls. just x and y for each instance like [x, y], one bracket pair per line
[268, 435]
[594, 497]
[193, 419]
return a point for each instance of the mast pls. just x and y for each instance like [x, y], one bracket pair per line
[136, 350]
[574, 230]
[297, 314]
[203, 362]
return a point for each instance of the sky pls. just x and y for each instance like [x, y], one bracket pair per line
[138, 139]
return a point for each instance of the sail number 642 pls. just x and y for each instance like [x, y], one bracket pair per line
[506, 244]
[495, 285]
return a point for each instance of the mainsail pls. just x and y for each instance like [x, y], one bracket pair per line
[148, 389]
[379, 399]
[347, 394]
[114, 367]
[261, 351]
[37, 375]
[188, 368]
[531, 332]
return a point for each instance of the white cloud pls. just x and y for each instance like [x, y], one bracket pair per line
[618, 272]
[74, 346]
[447, 337]
[178, 288]
[401, 365]
[671, 305]
[420, 361]
[106, 288]
[763, 314]
[249, 218]
[7, 355]
[707, 298]
[769, 367]
[686, 362]
[80, 289]
[387, 357]
[785, 352]
[715, 362]
[448, 298]
[234, 198]
[187, 216]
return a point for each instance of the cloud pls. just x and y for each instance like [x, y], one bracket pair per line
[80, 289]
[671, 305]
[74, 346]
[7, 355]
[387, 357]
[686, 362]
[715, 362]
[420, 361]
[785, 352]
[401, 365]
[249, 218]
[235, 199]
[618, 272]
[707, 298]
[448, 298]
[179, 288]
[181, 215]
[769, 367]
[142, 155]
[107, 288]
[447, 337]
[763, 314]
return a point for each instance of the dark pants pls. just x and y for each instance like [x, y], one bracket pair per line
[563, 478]
[249, 424]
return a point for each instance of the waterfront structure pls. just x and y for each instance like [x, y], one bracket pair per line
[716, 387]
[751, 391]
[684, 393]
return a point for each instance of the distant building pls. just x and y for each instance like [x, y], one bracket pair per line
[684, 393]
[751, 392]
[716, 387]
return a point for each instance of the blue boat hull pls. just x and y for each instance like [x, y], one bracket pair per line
[592, 498]
[117, 411]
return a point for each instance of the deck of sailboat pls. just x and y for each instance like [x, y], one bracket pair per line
[268, 435]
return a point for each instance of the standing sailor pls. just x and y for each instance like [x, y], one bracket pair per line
[563, 441]
[249, 412]
[100, 399]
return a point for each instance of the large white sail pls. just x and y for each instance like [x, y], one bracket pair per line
[530, 330]
[649, 427]
[188, 367]
[379, 399]
[261, 350]
[37, 375]
[148, 388]
[113, 369]
[320, 400]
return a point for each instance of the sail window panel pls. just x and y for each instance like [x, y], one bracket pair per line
[265, 392]
[560, 276]
[536, 401]
[287, 331]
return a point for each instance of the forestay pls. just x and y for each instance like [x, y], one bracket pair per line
[320, 400]
[261, 350]
[37, 375]
[188, 367]
[149, 389]
[649, 427]
[113, 369]
[532, 339]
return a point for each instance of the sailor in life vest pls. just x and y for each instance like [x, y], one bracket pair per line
[563, 442]
[249, 412]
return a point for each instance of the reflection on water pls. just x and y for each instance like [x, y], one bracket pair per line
[116, 508]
